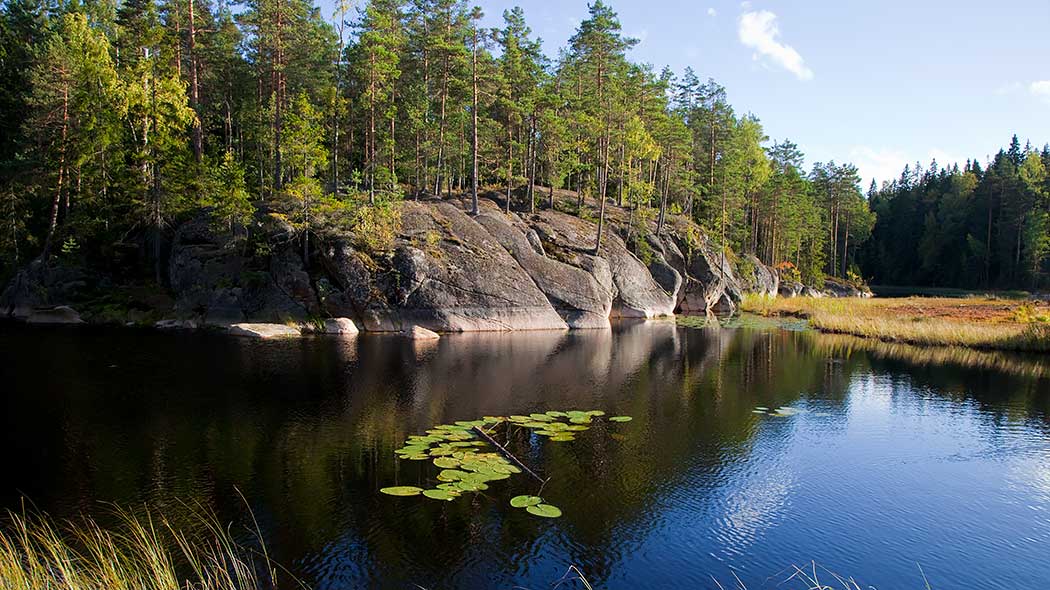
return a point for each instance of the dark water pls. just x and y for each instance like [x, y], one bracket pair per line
[901, 457]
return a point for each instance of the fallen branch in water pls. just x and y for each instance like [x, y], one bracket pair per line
[481, 432]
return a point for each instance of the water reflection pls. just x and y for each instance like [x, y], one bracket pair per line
[902, 454]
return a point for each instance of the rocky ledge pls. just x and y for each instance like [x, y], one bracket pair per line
[446, 271]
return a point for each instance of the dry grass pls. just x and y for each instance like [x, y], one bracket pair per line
[982, 323]
[37, 553]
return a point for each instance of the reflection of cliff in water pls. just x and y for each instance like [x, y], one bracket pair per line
[306, 429]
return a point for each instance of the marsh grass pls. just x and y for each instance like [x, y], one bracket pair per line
[140, 553]
[981, 323]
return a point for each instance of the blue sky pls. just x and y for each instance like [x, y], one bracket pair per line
[878, 83]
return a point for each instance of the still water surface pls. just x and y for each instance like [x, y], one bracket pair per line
[900, 457]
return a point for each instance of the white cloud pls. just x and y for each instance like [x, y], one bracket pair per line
[759, 31]
[884, 164]
[712, 12]
[1040, 89]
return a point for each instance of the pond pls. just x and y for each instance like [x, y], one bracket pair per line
[896, 457]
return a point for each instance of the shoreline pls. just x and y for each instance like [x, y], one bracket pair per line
[974, 323]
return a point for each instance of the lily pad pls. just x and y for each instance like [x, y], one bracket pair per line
[471, 486]
[402, 491]
[524, 501]
[562, 437]
[620, 419]
[451, 475]
[541, 417]
[544, 510]
[440, 495]
[446, 463]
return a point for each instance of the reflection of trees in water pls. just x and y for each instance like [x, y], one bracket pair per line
[307, 428]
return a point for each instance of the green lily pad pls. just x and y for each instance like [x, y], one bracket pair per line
[544, 510]
[524, 501]
[402, 491]
[446, 463]
[621, 419]
[440, 495]
[471, 486]
[556, 414]
[540, 417]
[562, 437]
[451, 475]
[577, 428]
[580, 420]
[419, 457]
[595, 413]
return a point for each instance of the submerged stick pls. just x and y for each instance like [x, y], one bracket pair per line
[508, 454]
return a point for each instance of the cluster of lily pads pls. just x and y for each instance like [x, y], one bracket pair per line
[456, 449]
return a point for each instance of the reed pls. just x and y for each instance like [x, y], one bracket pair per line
[981, 323]
[141, 553]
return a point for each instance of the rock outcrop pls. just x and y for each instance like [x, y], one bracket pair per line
[445, 270]
[635, 294]
[446, 273]
[213, 276]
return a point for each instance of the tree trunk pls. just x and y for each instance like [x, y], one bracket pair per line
[474, 127]
[198, 130]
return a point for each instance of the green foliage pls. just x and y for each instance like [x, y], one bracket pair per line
[376, 227]
[227, 193]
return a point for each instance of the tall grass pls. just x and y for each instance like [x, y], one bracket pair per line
[973, 323]
[38, 553]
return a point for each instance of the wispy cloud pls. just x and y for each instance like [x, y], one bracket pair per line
[758, 30]
[882, 164]
[1040, 89]
[712, 12]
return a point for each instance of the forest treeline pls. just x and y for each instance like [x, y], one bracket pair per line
[968, 227]
[120, 119]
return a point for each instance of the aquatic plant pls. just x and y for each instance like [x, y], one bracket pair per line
[141, 553]
[469, 458]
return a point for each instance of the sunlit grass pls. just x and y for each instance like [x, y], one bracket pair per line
[141, 553]
[973, 322]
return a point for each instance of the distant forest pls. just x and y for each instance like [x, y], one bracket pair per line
[118, 120]
[972, 227]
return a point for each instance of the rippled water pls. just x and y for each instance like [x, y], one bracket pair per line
[900, 457]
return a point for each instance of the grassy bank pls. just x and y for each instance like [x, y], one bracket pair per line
[992, 324]
[37, 553]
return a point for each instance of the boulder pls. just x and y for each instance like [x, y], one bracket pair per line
[340, 326]
[420, 333]
[756, 277]
[41, 286]
[790, 289]
[574, 293]
[263, 331]
[445, 273]
[838, 288]
[61, 314]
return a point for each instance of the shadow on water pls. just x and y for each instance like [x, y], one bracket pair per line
[870, 477]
